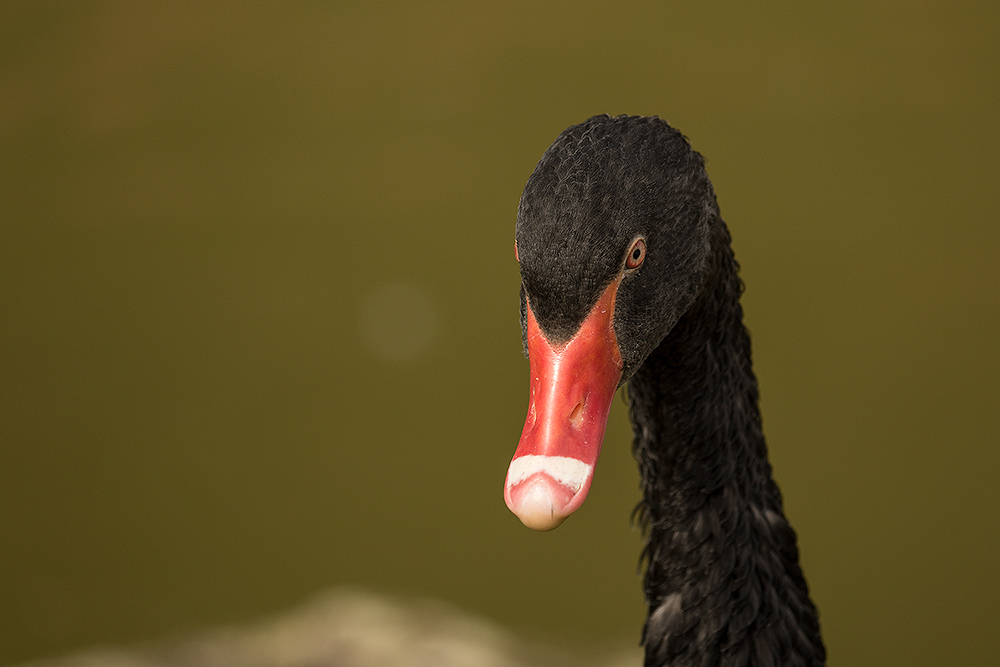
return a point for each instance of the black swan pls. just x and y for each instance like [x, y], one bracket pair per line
[627, 275]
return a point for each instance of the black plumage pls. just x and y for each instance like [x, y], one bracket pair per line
[722, 580]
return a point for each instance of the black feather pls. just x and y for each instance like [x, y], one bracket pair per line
[722, 581]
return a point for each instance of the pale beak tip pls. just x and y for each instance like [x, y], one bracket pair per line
[540, 502]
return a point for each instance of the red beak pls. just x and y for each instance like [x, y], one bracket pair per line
[572, 386]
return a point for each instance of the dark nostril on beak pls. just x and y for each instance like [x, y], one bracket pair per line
[576, 416]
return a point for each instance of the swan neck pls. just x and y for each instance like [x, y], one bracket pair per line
[722, 565]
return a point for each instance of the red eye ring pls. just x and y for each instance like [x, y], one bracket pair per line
[636, 254]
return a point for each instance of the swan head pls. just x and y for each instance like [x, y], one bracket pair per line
[613, 243]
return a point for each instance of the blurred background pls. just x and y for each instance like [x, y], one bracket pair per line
[259, 306]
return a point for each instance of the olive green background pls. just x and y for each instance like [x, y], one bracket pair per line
[258, 306]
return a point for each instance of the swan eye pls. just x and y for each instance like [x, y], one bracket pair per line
[636, 254]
